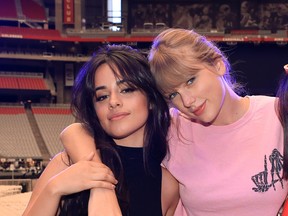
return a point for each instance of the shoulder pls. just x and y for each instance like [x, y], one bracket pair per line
[262, 100]
[263, 103]
[265, 108]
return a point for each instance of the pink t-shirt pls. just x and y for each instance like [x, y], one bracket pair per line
[232, 170]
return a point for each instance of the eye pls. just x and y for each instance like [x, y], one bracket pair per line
[100, 98]
[128, 90]
[172, 96]
[190, 81]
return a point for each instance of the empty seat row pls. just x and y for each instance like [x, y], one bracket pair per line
[28, 9]
[16, 137]
[51, 121]
[31, 83]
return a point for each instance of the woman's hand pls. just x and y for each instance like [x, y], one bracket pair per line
[83, 175]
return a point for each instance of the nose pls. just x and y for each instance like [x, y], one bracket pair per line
[114, 101]
[187, 98]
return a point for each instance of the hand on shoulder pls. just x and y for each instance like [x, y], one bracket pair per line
[83, 175]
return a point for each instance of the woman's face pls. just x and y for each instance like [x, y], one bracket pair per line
[122, 110]
[200, 97]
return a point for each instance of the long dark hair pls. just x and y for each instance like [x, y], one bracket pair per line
[133, 67]
[283, 115]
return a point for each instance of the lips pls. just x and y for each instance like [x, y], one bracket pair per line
[117, 116]
[199, 110]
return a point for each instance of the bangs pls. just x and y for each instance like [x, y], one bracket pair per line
[129, 71]
[172, 65]
[171, 72]
[120, 72]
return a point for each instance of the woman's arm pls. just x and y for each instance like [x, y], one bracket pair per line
[54, 167]
[78, 143]
[58, 179]
[169, 193]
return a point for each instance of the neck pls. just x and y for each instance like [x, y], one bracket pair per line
[233, 108]
[130, 141]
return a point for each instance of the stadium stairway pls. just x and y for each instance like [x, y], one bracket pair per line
[37, 134]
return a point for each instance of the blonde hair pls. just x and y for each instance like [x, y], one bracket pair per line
[178, 53]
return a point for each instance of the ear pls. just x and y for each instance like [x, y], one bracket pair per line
[220, 67]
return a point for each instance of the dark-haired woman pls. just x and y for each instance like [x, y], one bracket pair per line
[116, 100]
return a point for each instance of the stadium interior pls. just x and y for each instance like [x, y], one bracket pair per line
[44, 43]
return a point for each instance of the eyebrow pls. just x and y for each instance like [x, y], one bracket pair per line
[104, 87]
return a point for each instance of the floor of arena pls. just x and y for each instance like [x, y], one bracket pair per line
[13, 204]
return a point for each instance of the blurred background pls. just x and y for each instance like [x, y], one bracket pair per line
[44, 43]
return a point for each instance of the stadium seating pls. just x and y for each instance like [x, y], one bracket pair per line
[8, 83]
[32, 83]
[17, 139]
[22, 83]
[51, 121]
[33, 11]
[9, 11]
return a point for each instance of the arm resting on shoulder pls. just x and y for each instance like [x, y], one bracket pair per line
[59, 179]
[78, 143]
[42, 202]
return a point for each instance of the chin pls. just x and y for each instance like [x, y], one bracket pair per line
[199, 121]
[117, 136]
[206, 121]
